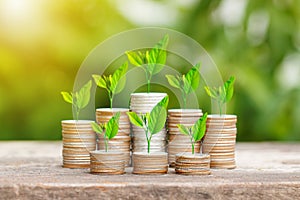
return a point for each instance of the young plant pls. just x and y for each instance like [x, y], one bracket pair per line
[195, 132]
[152, 122]
[79, 99]
[152, 61]
[109, 129]
[186, 83]
[222, 94]
[114, 83]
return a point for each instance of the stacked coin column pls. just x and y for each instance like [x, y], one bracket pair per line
[220, 139]
[121, 142]
[78, 140]
[179, 143]
[143, 103]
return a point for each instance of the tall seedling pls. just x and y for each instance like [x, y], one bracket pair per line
[152, 61]
[195, 132]
[109, 129]
[222, 94]
[79, 99]
[152, 122]
[186, 83]
[114, 83]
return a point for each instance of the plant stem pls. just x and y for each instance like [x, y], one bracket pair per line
[220, 107]
[106, 142]
[148, 85]
[184, 100]
[193, 147]
[111, 97]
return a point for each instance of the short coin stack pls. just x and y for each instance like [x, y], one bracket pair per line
[220, 139]
[153, 163]
[142, 103]
[179, 143]
[121, 142]
[78, 139]
[107, 162]
[192, 164]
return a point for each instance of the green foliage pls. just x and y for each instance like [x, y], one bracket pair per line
[151, 123]
[195, 132]
[152, 61]
[114, 83]
[79, 99]
[110, 129]
[222, 94]
[186, 83]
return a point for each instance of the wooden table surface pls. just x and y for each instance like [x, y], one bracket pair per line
[32, 170]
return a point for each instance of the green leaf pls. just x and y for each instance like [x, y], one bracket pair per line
[199, 128]
[164, 102]
[100, 81]
[186, 85]
[210, 92]
[183, 129]
[112, 126]
[135, 119]
[67, 97]
[83, 96]
[158, 116]
[157, 56]
[193, 78]
[97, 128]
[135, 58]
[173, 81]
[229, 89]
[119, 79]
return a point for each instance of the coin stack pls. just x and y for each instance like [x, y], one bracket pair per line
[78, 139]
[220, 139]
[192, 164]
[111, 162]
[121, 142]
[142, 103]
[179, 143]
[153, 163]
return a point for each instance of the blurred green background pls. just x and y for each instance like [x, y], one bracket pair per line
[44, 42]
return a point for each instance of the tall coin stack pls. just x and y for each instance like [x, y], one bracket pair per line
[142, 103]
[179, 143]
[121, 142]
[78, 140]
[220, 139]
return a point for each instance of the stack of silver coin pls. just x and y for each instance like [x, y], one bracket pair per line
[179, 143]
[111, 162]
[121, 142]
[153, 163]
[220, 140]
[142, 103]
[192, 164]
[78, 140]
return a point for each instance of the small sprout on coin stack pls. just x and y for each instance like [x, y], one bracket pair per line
[152, 122]
[195, 132]
[114, 83]
[187, 83]
[80, 99]
[151, 61]
[109, 129]
[222, 94]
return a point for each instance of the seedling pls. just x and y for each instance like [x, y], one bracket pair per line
[152, 122]
[114, 83]
[79, 99]
[195, 132]
[186, 83]
[109, 129]
[152, 61]
[222, 94]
